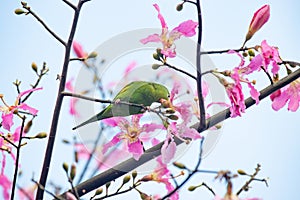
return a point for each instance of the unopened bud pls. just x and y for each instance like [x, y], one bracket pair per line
[92, 55]
[156, 66]
[192, 188]
[173, 117]
[251, 52]
[76, 156]
[126, 179]
[28, 126]
[107, 184]
[19, 11]
[23, 3]
[98, 191]
[134, 174]
[41, 135]
[158, 51]
[73, 172]
[179, 165]
[34, 67]
[146, 178]
[156, 56]
[1, 95]
[241, 172]
[144, 196]
[170, 111]
[245, 54]
[66, 167]
[179, 7]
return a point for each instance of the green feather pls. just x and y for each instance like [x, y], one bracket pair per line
[137, 92]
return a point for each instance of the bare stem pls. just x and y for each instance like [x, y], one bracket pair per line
[226, 50]
[69, 4]
[190, 174]
[199, 75]
[58, 104]
[44, 25]
[17, 160]
[180, 70]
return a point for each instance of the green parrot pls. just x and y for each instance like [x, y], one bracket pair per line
[137, 92]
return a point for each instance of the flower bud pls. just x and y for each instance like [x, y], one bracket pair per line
[179, 7]
[107, 184]
[192, 188]
[41, 135]
[98, 191]
[241, 172]
[173, 117]
[251, 52]
[66, 167]
[155, 56]
[156, 66]
[73, 172]
[28, 126]
[34, 66]
[134, 174]
[260, 17]
[19, 11]
[92, 55]
[245, 54]
[146, 178]
[23, 3]
[179, 165]
[126, 179]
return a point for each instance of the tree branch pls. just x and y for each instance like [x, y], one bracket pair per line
[17, 159]
[44, 24]
[131, 164]
[199, 75]
[58, 104]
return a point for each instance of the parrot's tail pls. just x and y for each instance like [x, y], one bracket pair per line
[95, 118]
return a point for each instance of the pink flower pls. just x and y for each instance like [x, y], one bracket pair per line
[161, 174]
[186, 28]
[236, 97]
[269, 56]
[78, 49]
[260, 17]
[73, 101]
[289, 94]
[131, 133]
[8, 111]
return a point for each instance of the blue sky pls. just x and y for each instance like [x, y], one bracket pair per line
[260, 136]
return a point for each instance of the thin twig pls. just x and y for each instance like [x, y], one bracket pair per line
[58, 104]
[226, 51]
[77, 59]
[190, 174]
[48, 192]
[7, 140]
[131, 164]
[252, 178]
[44, 25]
[180, 70]
[69, 4]
[192, 2]
[17, 159]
